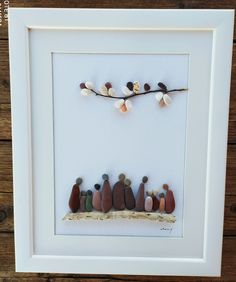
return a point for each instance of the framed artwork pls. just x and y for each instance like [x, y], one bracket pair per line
[119, 122]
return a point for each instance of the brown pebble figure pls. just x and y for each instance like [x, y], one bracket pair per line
[97, 198]
[129, 195]
[148, 202]
[170, 200]
[139, 201]
[162, 203]
[74, 201]
[82, 201]
[155, 200]
[106, 194]
[118, 194]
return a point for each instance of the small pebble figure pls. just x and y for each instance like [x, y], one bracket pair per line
[136, 87]
[82, 201]
[170, 200]
[97, 198]
[129, 195]
[162, 203]
[148, 202]
[139, 201]
[118, 193]
[106, 194]
[74, 201]
[88, 202]
[155, 200]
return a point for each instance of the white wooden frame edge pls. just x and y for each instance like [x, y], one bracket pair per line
[21, 21]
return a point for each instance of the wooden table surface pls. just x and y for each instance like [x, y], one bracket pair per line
[7, 266]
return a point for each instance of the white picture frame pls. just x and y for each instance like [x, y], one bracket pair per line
[38, 248]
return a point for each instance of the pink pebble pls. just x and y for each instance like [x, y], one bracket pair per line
[97, 200]
[148, 204]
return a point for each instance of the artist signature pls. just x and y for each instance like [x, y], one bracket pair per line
[167, 229]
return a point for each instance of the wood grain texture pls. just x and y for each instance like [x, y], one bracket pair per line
[7, 268]
[7, 224]
[6, 212]
[232, 109]
[5, 125]
[151, 4]
[4, 73]
[7, 272]
[6, 168]
[5, 122]
[125, 4]
[5, 92]
[231, 170]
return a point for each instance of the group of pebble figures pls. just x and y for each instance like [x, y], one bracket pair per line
[121, 197]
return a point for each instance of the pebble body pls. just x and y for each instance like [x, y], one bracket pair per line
[139, 201]
[167, 99]
[82, 201]
[147, 87]
[97, 198]
[162, 86]
[156, 203]
[129, 196]
[136, 87]
[111, 92]
[118, 194]
[103, 90]
[162, 203]
[148, 204]
[88, 202]
[106, 194]
[130, 85]
[89, 85]
[126, 91]
[74, 201]
[170, 200]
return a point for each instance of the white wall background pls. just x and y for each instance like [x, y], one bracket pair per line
[92, 137]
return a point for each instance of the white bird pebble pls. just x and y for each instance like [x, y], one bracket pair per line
[159, 96]
[128, 104]
[167, 99]
[111, 92]
[86, 92]
[119, 103]
[126, 91]
[103, 90]
[89, 84]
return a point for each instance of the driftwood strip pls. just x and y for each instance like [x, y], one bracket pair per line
[154, 216]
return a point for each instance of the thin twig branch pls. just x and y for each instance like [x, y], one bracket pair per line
[139, 94]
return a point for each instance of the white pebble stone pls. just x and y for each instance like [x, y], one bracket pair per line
[85, 92]
[89, 85]
[103, 90]
[119, 103]
[159, 96]
[111, 92]
[128, 104]
[167, 99]
[126, 91]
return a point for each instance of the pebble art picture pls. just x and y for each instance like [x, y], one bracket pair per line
[109, 201]
[119, 201]
[131, 90]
